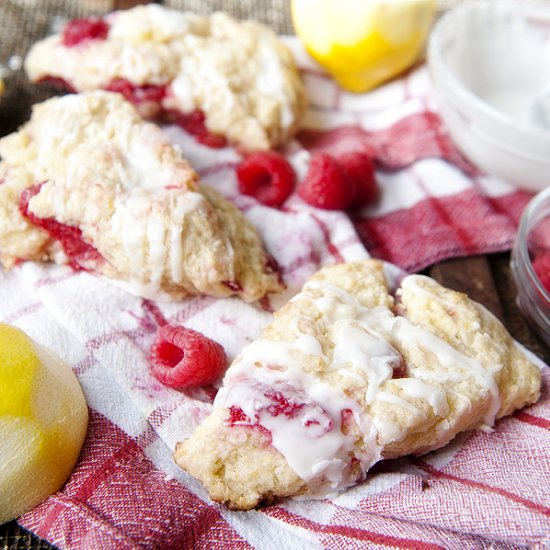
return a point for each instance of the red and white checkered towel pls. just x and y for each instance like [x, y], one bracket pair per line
[481, 490]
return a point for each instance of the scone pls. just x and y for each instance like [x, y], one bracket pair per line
[87, 182]
[235, 77]
[347, 375]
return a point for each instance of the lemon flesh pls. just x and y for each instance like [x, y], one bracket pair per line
[363, 43]
[43, 421]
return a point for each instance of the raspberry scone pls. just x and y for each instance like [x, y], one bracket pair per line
[217, 77]
[347, 375]
[87, 182]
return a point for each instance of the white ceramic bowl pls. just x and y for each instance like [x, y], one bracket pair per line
[490, 62]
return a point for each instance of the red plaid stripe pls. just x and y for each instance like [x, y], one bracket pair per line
[116, 498]
[436, 228]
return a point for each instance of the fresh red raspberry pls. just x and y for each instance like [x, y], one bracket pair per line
[137, 94]
[82, 255]
[81, 30]
[280, 404]
[541, 265]
[267, 176]
[232, 285]
[182, 357]
[325, 185]
[347, 421]
[339, 183]
[359, 172]
[58, 83]
[195, 124]
[237, 416]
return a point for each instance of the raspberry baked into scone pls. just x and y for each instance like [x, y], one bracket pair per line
[87, 182]
[217, 77]
[346, 375]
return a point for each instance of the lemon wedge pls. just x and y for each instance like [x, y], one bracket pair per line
[43, 421]
[363, 43]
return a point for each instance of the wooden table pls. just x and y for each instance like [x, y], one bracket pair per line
[487, 279]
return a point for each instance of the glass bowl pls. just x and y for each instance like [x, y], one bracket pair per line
[490, 66]
[531, 264]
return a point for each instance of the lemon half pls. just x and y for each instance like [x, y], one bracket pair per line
[43, 421]
[363, 43]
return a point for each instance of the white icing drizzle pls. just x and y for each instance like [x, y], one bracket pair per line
[372, 357]
[237, 73]
[156, 231]
[390, 430]
[270, 81]
[320, 456]
[176, 253]
[316, 449]
[418, 389]
[307, 343]
[395, 399]
[311, 427]
[458, 366]
[155, 246]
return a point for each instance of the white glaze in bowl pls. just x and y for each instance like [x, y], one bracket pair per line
[490, 64]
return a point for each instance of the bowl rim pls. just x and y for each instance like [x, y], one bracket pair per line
[525, 155]
[521, 238]
[435, 57]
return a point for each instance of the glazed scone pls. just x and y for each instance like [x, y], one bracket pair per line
[87, 182]
[348, 374]
[237, 74]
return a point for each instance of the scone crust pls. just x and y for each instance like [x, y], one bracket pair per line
[452, 367]
[239, 74]
[95, 165]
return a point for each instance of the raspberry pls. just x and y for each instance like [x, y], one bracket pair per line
[347, 421]
[281, 404]
[359, 172]
[237, 416]
[337, 184]
[400, 369]
[182, 357]
[232, 285]
[194, 123]
[325, 185]
[137, 94]
[267, 176]
[289, 402]
[58, 83]
[541, 265]
[80, 253]
[82, 30]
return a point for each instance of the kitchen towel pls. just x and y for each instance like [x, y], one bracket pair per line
[483, 489]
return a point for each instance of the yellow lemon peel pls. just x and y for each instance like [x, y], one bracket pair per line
[43, 420]
[363, 43]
